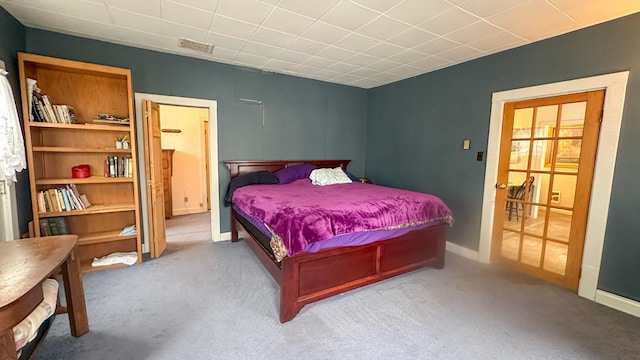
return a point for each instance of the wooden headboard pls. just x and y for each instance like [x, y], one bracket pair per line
[241, 167]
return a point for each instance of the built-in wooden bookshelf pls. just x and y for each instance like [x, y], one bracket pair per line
[53, 149]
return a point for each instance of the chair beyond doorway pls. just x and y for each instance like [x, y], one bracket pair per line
[517, 193]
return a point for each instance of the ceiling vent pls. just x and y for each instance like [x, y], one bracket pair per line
[196, 45]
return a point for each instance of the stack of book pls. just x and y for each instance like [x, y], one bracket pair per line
[118, 166]
[43, 109]
[62, 199]
[54, 226]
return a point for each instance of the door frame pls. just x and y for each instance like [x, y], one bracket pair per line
[615, 85]
[214, 199]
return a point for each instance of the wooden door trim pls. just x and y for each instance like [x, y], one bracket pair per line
[615, 85]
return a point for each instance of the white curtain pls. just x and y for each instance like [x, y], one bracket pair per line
[12, 154]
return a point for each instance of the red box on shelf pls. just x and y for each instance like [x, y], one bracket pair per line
[81, 171]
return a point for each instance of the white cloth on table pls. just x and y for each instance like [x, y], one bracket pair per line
[27, 329]
[12, 153]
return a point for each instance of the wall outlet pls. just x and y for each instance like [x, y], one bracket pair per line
[186, 199]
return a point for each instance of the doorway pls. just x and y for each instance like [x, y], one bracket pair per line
[211, 105]
[615, 86]
[547, 155]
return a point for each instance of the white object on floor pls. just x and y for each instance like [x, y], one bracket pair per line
[128, 258]
[27, 329]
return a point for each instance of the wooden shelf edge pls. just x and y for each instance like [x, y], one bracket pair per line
[103, 237]
[64, 149]
[81, 126]
[94, 209]
[89, 180]
[86, 267]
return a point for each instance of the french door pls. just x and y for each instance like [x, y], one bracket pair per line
[547, 156]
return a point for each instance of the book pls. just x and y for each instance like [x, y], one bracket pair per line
[53, 200]
[42, 206]
[63, 225]
[85, 201]
[48, 108]
[53, 226]
[65, 198]
[44, 228]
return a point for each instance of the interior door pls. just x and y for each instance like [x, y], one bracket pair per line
[153, 167]
[545, 171]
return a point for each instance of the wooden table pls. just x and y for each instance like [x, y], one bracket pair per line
[24, 265]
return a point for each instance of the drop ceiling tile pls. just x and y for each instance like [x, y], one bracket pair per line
[139, 37]
[227, 42]
[384, 77]
[346, 78]
[406, 70]
[313, 9]
[149, 8]
[260, 49]
[343, 67]
[383, 28]
[318, 62]
[473, 32]
[592, 12]
[355, 42]
[32, 15]
[244, 10]
[416, 11]
[327, 73]
[435, 46]
[291, 56]
[384, 65]
[367, 83]
[364, 72]
[306, 46]
[460, 53]
[486, 8]
[179, 30]
[304, 69]
[491, 42]
[383, 50]
[348, 15]
[224, 54]
[272, 37]
[206, 5]
[335, 53]
[136, 21]
[411, 38]
[231, 27]
[278, 65]
[250, 60]
[406, 56]
[324, 33]
[527, 19]
[450, 20]
[378, 5]
[89, 11]
[181, 14]
[361, 60]
[288, 21]
[431, 62]
[556, 31]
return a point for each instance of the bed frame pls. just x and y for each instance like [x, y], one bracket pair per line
[309, 277]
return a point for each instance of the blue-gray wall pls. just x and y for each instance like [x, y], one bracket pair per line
[11, 42]
[415, 130]
[298, 119]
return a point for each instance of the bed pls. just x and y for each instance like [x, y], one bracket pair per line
[307, 277]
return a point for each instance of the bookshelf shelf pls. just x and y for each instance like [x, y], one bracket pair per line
[89, 180]
[93, 209]
[75, 150]
[102, 237]
[80, 91]
[81, 127]
[85, 266]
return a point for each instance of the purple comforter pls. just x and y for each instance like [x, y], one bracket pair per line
[301, 213]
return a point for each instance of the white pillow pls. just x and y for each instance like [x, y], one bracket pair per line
[329, 177]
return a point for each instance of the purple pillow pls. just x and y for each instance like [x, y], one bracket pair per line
[295, 172]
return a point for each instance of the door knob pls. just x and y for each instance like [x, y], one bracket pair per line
[502, 186]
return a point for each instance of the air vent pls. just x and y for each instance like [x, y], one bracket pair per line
[195, 45]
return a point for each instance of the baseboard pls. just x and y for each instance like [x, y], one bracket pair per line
[618, 302]
[225, 236]
[462, 251]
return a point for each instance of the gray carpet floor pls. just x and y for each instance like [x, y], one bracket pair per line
[204, 300]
